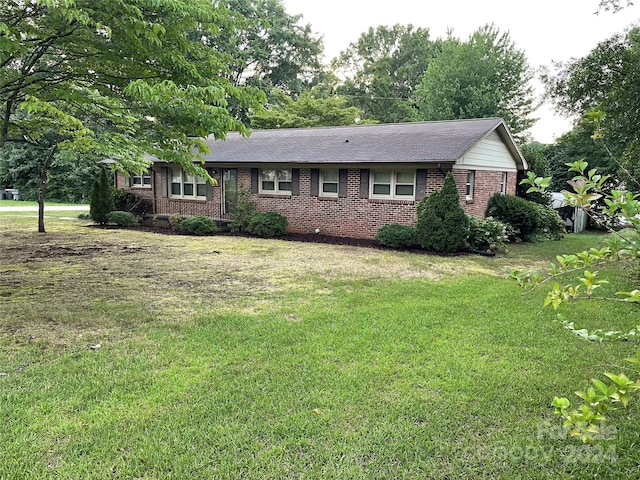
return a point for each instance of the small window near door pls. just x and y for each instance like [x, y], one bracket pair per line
[142, 180]
[276, 181]
[503, 183]
[184, 185]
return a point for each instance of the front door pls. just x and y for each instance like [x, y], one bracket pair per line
[229, 189]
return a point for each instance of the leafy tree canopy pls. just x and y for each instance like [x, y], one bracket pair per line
[607, 80]
[486, 76]
[115, 78]
[310, 109]
[269, 47]
[382, 69]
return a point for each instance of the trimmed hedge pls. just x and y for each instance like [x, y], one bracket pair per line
[395, 235]
[199, 225]
[267, 225]
[123, 219]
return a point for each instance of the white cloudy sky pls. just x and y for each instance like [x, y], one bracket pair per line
[547, 30]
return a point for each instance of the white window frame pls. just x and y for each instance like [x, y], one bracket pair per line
[278, 182]
[141, 180]
[503, 183]
[393, 185]
[185, 178]
[471, 180]
[324, 180]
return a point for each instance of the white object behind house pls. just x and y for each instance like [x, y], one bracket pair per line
[575, 218]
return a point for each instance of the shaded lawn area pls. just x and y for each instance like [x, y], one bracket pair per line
[228, 357]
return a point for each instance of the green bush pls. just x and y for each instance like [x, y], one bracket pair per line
[486, 234]
[101, 199]
[442, 225]
[174, 221]
[395, 235]
[123, 219]
[552, 227]
[127, 201]
[199, 225]
[242, 211]
[521, 214]
[267, 225]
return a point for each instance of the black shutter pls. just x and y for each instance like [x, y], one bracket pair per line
[295, 181]
[254, 180]
[342, 182]
[315, 182]
[364, 183]
[421, 184]
[209, 192]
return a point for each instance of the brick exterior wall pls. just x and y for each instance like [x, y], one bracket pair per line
[349, 216]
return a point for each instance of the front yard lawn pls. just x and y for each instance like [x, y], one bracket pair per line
[135, 355]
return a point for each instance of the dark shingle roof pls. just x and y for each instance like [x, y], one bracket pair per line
[444, 141]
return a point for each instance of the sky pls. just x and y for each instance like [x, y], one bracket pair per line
[546, 30]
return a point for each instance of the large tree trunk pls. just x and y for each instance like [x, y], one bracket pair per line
[42, 189]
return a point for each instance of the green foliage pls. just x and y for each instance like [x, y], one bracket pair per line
[199, 225]
[175, 222]
[395, 235]
[308, 110]
[486, 234]
[487, 76]
[589, 421]
[552, 227]
[128, 201]
[121, 218]
[606, 79]
[382, 69]
[101, 201]
[521, 214]
[243, 211]
[442, 225]
[267, 224]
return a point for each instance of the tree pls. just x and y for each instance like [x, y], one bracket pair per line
[269, 47]
[308, 110]
[382, 70]
[607, 80]
[442, 225]
[101, 202]
[487, 76]
[115, 79]
[613, 5]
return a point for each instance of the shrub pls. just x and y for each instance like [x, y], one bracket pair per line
[395, 235]
[123, 219]
[101, 200]
[174, 221]
[267, 225]
[552, 227]
[199, 225]
[127, 201]
[442, 225]
[521, 214]
[486, 234]
[242, 211]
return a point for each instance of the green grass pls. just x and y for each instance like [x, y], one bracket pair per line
[225, 357]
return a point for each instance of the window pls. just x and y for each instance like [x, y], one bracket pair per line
[503, 183]
[142, 180]
[393, 184]
[471, 177]
[276, 181]
[184, 185]
[329, 183]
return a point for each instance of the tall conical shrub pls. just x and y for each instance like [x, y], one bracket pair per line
[442, 224]
[101, 200]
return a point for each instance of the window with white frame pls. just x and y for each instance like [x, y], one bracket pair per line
[329, 183]
[503, 183]
[276, 181]
[185, 185]
[394, 184]
[471, 178]
[142, 180]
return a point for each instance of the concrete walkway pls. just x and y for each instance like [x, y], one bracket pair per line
[34, 208]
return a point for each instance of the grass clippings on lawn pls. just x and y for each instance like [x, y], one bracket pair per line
[126, 354]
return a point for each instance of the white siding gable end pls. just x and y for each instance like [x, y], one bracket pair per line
[487, 154]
